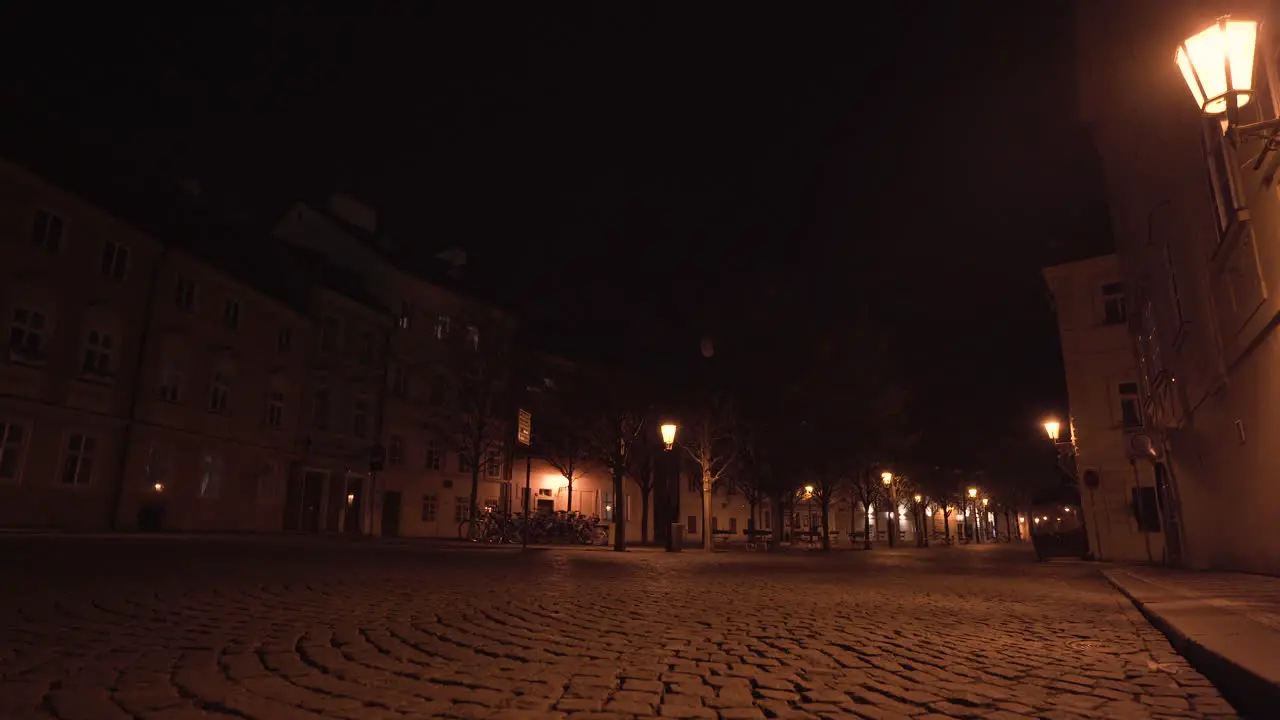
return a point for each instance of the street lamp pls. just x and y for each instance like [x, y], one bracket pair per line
[675, 529]
[886, 477]
[918, 519]
[1217, 64]
[973, 503]
[1051, 428]
[669, 435]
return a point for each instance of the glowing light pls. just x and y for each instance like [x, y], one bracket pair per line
[886, 477]
[1052, 428]
[159, 487]
[669, 434]
[1207, 57]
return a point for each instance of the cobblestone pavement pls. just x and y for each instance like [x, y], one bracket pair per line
[173, 629]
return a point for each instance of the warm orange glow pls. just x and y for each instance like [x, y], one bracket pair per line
[669, 434]
[985, 501]
[808, 489]
[973, 492]
[918, 498]
[1052, 428]
[159, 487]
[1204, 58]
[351, 498]
[886, 477]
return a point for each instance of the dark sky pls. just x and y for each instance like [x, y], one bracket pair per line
[633, 166]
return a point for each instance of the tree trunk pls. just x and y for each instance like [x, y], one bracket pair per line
[775, 508]
[569, 495]
[866, 526]
[1008, 525]
[946, 525]
[826, 519]
[644, 515]
[619, 508]
[706, 512]
[475, 488]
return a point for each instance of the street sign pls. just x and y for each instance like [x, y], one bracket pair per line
[524, 427]
[377, 458]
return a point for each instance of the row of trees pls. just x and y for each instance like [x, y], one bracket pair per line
[833, 417]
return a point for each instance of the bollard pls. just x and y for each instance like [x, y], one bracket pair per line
[675, 543]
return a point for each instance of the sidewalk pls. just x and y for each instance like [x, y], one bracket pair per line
[1227, 625]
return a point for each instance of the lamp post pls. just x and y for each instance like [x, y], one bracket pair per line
[973, 504]
[675, 529]
[886, 477]
[1066, 450]
[808, 503]
[1217, 64]
[918, 518]
[984, 515]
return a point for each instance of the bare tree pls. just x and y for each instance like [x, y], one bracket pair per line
[565, 444]
[710, 441]
[865, 485]
[619, 406]
[641, 469]
[473, 391]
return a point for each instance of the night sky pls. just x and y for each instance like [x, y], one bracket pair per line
[632, 178]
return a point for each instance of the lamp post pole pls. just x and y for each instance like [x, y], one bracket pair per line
[892, 523]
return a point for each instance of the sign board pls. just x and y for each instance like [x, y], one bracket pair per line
[523, 427]
[377, 458]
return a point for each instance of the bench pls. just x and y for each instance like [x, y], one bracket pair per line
[720, 537]
[754, 539]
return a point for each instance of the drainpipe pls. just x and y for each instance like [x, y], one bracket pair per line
[144, 341]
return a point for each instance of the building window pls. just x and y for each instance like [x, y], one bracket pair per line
[366, 347]
[461, 509]
[219, 392]
[98, 349]
[433, 455]
[695, 484]
[231, 314]
[406, 311]
[715, 523]
[211, 476]
[395, 450]
[490, 503]
[26, 333]
[1145, 509]
[691, 524]
[442, 327]
[1130, 410]
[430, 504]
[360, 416]
[464, 462]
[13, 445]
[115, 260]
[400, 380]
[1222, 178]
[284, 339]
[493, 466]
[275, 409]
[172, 381]
[46, 232]
[321, 408]
[1113, 307]
[766, 518]
[447, 484]
[77, 464]
[328, 334]
[473, 337]
[733, 525]
[184, 295]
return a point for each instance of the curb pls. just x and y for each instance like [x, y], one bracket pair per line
[1252, 695]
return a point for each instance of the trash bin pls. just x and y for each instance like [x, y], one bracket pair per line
[675, 543]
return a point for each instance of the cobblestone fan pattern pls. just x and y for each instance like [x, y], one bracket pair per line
[173, 629]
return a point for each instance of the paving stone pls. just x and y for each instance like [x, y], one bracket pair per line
[307, 628]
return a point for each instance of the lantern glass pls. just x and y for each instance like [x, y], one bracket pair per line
[669, 434]
[1206, 58]
[1052, 428]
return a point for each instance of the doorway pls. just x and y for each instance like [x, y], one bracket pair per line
[1168, 513]
[391, 513]
[353, 505]
[313, 483]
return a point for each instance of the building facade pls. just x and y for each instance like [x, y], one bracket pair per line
[1118, 490]
[1196, 219]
